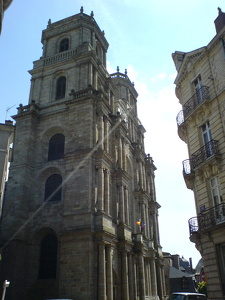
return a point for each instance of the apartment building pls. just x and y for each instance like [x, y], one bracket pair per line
[200, 88]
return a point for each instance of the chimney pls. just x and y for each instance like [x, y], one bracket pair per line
[220, 21]
[8, 122]
[176, 261]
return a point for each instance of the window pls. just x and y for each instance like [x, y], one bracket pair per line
[48, 257]
[207, 138]
[198, 89]
[61, 88]
[215, 190]
[53, 188]
[64, 45]
[56, 147]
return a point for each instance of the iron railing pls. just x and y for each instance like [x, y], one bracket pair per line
[210, 149]
[198, 98]
[210, 218]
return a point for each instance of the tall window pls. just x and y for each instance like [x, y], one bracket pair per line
[64, 45]
[53, 188]
[48, 257]
[198, 89]
[207, 138]
[61, 87]
[56, 146]
[215, 190]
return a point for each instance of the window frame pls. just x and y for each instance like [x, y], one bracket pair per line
[64, 45]
[48, 257]
[56, 146]
[216, 191]
[60, 87]
[53, 188]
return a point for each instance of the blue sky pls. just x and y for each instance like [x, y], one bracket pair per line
[142, 36]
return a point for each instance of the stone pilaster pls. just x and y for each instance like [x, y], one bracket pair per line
[141, 276]
[125, 290]
[153, 277]
[109, 273]
[101, 273]
[100, 189]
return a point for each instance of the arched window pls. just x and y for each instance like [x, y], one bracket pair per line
[48, 257]
[53, 188]
[64, 45]
[61, 87]
[56, 147]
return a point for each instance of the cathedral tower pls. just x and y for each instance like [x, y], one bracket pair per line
[80, 217]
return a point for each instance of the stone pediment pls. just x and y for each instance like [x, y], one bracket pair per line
[184, 61]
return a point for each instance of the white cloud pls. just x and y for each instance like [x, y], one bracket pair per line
[159, 77]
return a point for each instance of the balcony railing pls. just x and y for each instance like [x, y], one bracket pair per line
[210, 218]
[210, 149]
[198, 98]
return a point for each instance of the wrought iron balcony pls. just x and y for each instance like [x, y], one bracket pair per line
[207, 220]
[210, 149]
[197, 99]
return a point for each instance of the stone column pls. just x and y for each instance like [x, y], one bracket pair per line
[149, 279]
[121, 204]
[153, 277]
[106, 191]
[163, 281]
[106, 132]
[140, 175]
[109, 273]
[120, 153]
[159, 276]
[131, 276]
[101, 273]
[100, 189]
[124, 279]
[123, 156]
[141, 276]
[90, 73]
[100, 131]
[95, 79]
[126, 205]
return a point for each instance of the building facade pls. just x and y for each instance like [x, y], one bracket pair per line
[200, 88]
[80, 217]
[6, 139]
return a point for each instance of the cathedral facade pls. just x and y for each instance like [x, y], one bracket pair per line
[80, 216]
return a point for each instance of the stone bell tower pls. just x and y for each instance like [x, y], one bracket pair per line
[80, 217]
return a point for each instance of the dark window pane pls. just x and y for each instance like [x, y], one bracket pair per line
[56, 146]
[53, 188]
[61, 87]
[64, 45]
[48, 257]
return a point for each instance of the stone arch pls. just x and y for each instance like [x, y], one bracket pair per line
[46, 136]
[53, 84]
[42, 288]
[42, 178]
[59, 40]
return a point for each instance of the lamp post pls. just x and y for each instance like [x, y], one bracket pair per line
[6, 283]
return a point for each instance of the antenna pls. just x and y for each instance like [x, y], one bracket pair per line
[7, 110]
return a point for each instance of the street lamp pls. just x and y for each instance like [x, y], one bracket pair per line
[6, 283]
